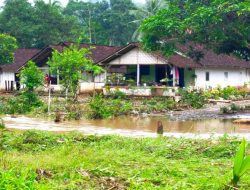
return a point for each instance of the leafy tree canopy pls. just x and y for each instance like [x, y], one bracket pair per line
[104, 22]
[38, 25]
[7, 47]
[70, 65]
[220, 24]
[31, 77]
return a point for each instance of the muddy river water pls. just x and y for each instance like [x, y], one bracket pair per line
[137, 126]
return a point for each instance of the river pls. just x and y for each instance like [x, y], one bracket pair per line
[136, 126]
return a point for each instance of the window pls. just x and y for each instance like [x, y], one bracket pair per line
[207, 76]
[226, 76]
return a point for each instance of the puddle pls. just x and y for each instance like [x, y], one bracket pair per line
[136, 126]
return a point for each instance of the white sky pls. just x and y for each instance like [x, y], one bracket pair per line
[64, 2]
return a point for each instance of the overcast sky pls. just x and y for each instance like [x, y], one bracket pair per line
[64, 2]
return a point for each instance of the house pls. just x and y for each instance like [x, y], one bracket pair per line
[130, 65]
[8, 73]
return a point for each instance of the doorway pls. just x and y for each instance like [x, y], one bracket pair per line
[160, 73]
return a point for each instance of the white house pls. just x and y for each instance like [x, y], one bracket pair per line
[130, 64]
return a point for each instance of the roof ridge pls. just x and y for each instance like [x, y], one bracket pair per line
[96, 44]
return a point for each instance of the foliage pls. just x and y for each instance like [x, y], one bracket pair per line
[150, 8]
[117, 94]
[194, 98]
[241, 163]
[70, 65]
[10, 179]
[100, 107]
[2, 125]
[21, 104]
[95, 161]
[31, 77]
[227, 92]
[233, 108]
[157, 105]
[201, 22]
[116, 79]
[39, 25]
[8, 45]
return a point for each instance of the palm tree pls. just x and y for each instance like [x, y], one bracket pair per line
[150, 8]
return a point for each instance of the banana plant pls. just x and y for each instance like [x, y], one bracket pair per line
[241, 163]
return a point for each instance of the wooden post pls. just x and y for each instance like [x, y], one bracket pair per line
[138, 75]
[49, 101]
[174, 78]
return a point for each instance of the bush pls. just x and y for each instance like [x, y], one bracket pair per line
[228, 92]
[193, 98]
[20, 104]
[158, 104]
[100, 107]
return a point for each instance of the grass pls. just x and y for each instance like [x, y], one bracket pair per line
[41, 160]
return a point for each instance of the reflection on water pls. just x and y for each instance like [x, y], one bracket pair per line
[130, 126]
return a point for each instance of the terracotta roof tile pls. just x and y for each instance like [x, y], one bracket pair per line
[211, 59]
[21, 56]
[99, 52]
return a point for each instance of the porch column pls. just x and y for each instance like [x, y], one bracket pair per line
[174, 78]
[138, 75]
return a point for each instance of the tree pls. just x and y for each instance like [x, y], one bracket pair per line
[38, 25]
[70, 65]
[104, 22]
[31, 77]
[52, 26]
[150, 8]
[118, 22]
[16, 19]
[7, 48]
[222, 25]
[90, 16]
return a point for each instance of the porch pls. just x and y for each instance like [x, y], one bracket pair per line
[150, 76]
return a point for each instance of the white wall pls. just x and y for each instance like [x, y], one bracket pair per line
[137, 56]
[6, 76]
[236, 77]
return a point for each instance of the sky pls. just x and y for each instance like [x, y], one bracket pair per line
[64, 2]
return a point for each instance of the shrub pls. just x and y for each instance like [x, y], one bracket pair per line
[117, 94]
[193, 98]
[20, 104]
[228, 92]
[100, 107]
[158, 104]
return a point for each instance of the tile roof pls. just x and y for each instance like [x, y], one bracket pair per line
[99, 52]
[21, 56]
[211, 59]
[104, 54]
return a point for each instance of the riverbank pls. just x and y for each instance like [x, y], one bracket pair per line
[41, 160]
[210, 111]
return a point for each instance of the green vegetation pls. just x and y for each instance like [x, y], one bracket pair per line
[241, 163]
[201, 22]
[7, 48]
[26, 100]
[71, 63]
[39, 160]
[31, 77]
[100, 107]
[228, 93]
[194, 98]
[39, 24]
[21, 104]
